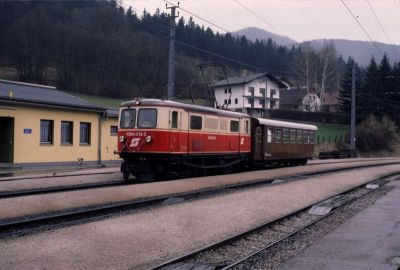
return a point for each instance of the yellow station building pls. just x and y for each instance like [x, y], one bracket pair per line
[40, 125]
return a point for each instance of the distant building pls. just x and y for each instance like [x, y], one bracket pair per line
[299, 100]
[330, 102]
[254, 94]
[42, 125]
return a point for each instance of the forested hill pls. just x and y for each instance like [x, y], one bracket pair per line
[360, 51]
[97, 47]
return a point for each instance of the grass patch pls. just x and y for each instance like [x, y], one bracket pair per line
[331, 133]
[100, 101]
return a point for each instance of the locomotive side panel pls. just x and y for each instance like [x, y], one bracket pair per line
[216, 135]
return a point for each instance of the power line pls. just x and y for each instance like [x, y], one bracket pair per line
[198, 17]
[255, 14]
[381, 25]
[362, 27]
[229, 59]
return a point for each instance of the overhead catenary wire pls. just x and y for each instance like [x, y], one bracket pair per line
[255, 14]
[228, 58]
[381, 26]
[199, 17]
[362, 27]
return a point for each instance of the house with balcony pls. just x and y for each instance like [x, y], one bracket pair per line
[253, 94]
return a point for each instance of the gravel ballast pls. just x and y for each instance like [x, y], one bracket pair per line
[55, 202]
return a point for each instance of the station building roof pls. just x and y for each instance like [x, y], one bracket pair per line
[12, 92]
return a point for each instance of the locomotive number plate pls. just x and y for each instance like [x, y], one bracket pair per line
[136, 134]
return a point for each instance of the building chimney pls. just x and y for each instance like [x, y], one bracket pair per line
[243, 73]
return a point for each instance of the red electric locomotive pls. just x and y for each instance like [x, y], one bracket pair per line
[161, 138]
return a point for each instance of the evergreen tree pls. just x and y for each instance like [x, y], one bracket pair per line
[385, 88]
[367, 95]
[344, 98]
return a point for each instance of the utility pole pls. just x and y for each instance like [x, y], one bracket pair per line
[353, 112]
[171, 60]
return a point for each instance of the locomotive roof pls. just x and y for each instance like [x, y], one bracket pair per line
[277, 123]
[189, 107]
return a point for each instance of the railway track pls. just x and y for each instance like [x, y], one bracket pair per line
[194, 260]
[31, 224]
[5, 176]
[37, 191]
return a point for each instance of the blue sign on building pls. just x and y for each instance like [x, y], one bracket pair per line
[27, 131]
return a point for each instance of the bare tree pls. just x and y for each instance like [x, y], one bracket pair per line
[305, 65]
[327, 57]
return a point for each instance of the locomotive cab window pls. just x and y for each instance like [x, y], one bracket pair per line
[234, 126]
[196, 122]
[128, 118]
[147, 118]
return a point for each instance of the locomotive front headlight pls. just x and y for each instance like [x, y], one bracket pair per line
[121, 139]
[149, 139]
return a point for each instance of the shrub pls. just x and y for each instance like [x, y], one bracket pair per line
[373, 135]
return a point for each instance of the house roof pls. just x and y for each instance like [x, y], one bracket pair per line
[112, 112]
[292, 96]
[248, 78]
[42, 95]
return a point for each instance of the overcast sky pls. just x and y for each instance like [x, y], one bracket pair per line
[298, 19]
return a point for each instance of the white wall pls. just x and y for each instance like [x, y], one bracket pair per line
[238, 91]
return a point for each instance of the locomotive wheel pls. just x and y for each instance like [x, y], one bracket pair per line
[125, 175]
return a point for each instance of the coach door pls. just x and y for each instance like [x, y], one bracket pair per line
[258, 143]
[6, 140]
[174, 130]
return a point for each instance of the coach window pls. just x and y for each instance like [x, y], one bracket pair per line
[196, 122]
[174, 120]
[147, 118]
[278, 135]
[292, 136]
[285, 135]
[305, 136]
[299, 137]
[312, 137]
[128, 118]
[234, 126]
[269, 135]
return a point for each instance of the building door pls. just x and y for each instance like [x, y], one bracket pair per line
[6, 140]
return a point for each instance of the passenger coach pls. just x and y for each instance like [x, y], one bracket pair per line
[282, 142]
[165, 138]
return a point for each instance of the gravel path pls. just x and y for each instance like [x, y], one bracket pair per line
[274, 257]
[148, 237]
[39, 204]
